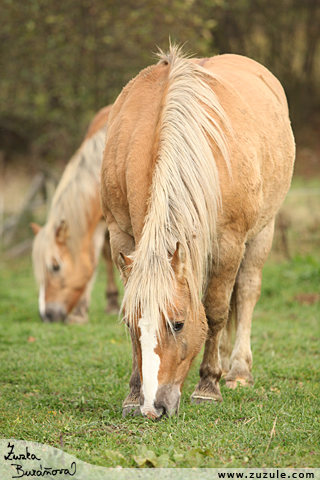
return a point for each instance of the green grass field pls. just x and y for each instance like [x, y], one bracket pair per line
[64, 385]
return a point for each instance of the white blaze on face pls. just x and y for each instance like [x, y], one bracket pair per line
[150, 364]
[42, 301]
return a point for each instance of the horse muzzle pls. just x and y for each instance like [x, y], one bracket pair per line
[166, 403]
[54, 312]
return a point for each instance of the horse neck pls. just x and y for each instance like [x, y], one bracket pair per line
[96, 225]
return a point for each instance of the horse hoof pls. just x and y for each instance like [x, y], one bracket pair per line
[76, 320]
[112, 310]
[241, 382]
[132, 410]
[198, 400]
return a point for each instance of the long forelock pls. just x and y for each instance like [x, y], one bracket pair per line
[185, 193]
[43, 252]
[72, 202]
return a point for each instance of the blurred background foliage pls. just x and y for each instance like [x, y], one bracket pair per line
[62, 61]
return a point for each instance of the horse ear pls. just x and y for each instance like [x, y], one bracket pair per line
[178, 261]
[62, 232]
[35, 228]
[124, 263]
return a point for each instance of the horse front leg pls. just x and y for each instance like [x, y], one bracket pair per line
[112, 290]
[79, 314]
[216, 303]
[225, 345]
[131, 404]
[122, 242]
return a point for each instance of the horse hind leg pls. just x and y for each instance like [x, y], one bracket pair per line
[112, 290]
[217, 305]
[246, 293]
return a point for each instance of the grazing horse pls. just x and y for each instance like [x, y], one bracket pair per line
[67, 248]
[198, 160]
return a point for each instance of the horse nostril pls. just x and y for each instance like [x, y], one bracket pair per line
[161, 410]
[49, 316]
[54, 312]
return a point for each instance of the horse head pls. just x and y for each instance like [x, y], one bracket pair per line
[165, 347]
[63, 275]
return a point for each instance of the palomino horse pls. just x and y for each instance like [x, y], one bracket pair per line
[198, 160]
[66, 250]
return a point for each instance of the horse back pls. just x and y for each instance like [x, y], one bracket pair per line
[260, 143]
[99, 121]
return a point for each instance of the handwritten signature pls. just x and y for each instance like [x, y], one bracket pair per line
[35, 472]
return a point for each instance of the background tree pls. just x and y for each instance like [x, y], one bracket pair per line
[62, 61]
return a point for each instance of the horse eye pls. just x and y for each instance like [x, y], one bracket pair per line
[55, 267]
[177, 326]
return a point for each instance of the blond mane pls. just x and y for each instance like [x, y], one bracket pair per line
[72, 202]
[185, 193]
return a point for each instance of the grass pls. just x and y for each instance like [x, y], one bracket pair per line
[64, 385]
